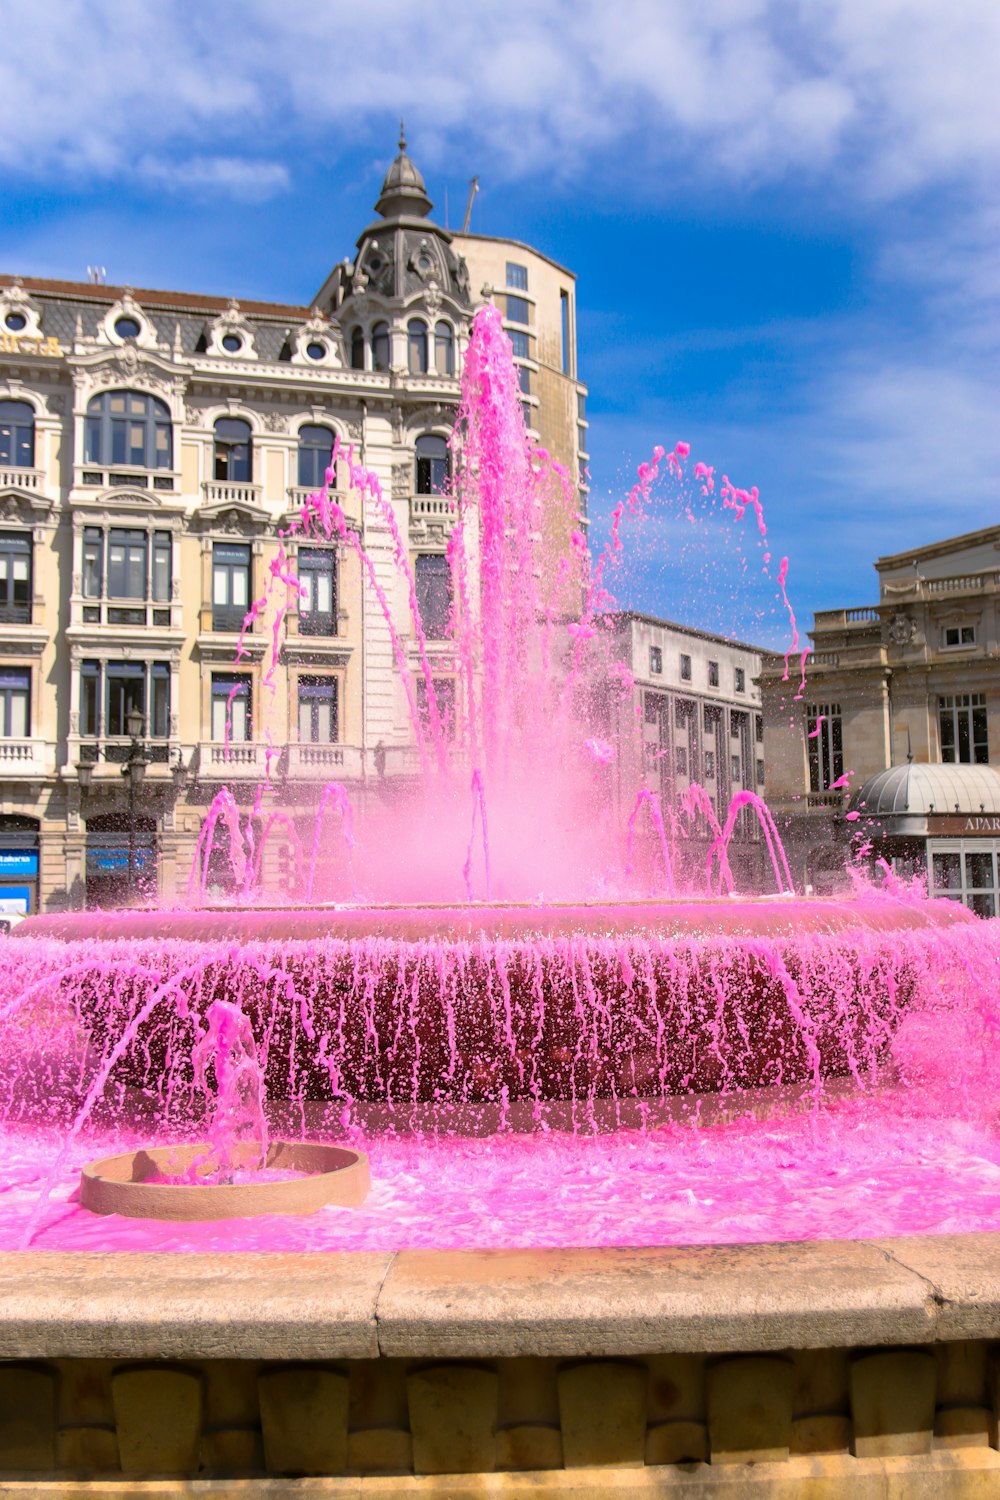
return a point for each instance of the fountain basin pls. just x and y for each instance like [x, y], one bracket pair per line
[128, 1183]
[451, 1006]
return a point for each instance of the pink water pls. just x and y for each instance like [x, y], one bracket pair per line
[615, 1076]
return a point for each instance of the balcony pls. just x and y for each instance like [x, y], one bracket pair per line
[23, 760]
[433, 508]
[109, 752]
[29, 480]
[240, 760]
[230, 492]
[317, 762]
[130, 614]
[128, 479]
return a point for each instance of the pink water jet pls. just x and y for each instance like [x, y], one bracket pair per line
[563, 1004]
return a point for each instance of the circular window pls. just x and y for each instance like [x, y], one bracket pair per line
[316, 351]
[127, 328]
[231, 342]
[15, 322]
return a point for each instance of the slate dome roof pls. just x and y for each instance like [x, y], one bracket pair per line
[920, 789]
[403, 191]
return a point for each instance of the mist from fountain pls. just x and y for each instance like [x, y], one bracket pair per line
[544, 993]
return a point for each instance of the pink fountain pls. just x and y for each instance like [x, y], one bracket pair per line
[552, 1050]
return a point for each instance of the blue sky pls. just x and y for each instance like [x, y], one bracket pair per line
[783, 216]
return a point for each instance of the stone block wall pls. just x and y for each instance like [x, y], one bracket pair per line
[846, 1420]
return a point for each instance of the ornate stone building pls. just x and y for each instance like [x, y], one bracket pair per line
[152, 446]
[911, 680]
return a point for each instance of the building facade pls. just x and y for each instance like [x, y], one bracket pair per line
[153, 447]
[693, 716]
[913, 679]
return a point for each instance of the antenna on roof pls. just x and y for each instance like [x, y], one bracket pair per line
[97, 275]
[473, 190]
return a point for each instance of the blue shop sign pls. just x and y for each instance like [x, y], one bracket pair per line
[114, 859]
[18, 862]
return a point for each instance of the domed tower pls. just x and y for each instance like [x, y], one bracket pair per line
[403, 303]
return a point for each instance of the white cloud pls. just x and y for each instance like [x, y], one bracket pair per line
[241, 178]
[893, 95]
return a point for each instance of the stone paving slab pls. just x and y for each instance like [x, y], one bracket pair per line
[704, 1299]
[246, 1306]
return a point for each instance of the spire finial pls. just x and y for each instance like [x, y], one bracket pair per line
[402, 134]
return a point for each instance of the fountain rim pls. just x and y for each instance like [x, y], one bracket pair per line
[694, 918]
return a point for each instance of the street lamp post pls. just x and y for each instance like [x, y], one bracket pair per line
[133, 770]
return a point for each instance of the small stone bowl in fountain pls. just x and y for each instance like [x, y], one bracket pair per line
[184, 1182]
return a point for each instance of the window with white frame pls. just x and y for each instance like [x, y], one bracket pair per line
[230, 585]
[962, 723]
[231, 704]
[15, 702]
[958, 635]
[15, 577]
[128, 429]
[318, 710]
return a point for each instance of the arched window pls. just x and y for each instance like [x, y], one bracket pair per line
[357, 349]
[315, 451]
[444, 348]
[123, 427]
[380, 347]
[233, 450]
[416, 341]
[17, 434]
[433, 464]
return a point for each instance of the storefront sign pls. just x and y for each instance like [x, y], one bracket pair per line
[18, 862]
[34, 343]
[963, 825]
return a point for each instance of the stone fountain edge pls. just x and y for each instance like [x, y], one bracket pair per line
[502, 1303]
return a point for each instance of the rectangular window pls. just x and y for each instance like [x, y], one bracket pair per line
[713, 674]
[959, 635]
[520, 343]
[655, 705]
[432, 577]
[740, 680]
[680, 760]
[517, 276]
[159, 701]
[581, 439]
[163, 554]
[125, 693]
[758, 728]
[231, 708]
[15, 703]
[15, 578]
[737, 768]
[685, 668]
[93, 562]
[760, 773]
[318, 585]
[581, 407]
[90, 698]
[524, 379]
[230, 585]
[318, 710]
[825, 745]
[127, 554]
[683, 712]
[962, 721]
[709, 759]
[517, 310]
[567, 332]
[655, 660]
[444, 696]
